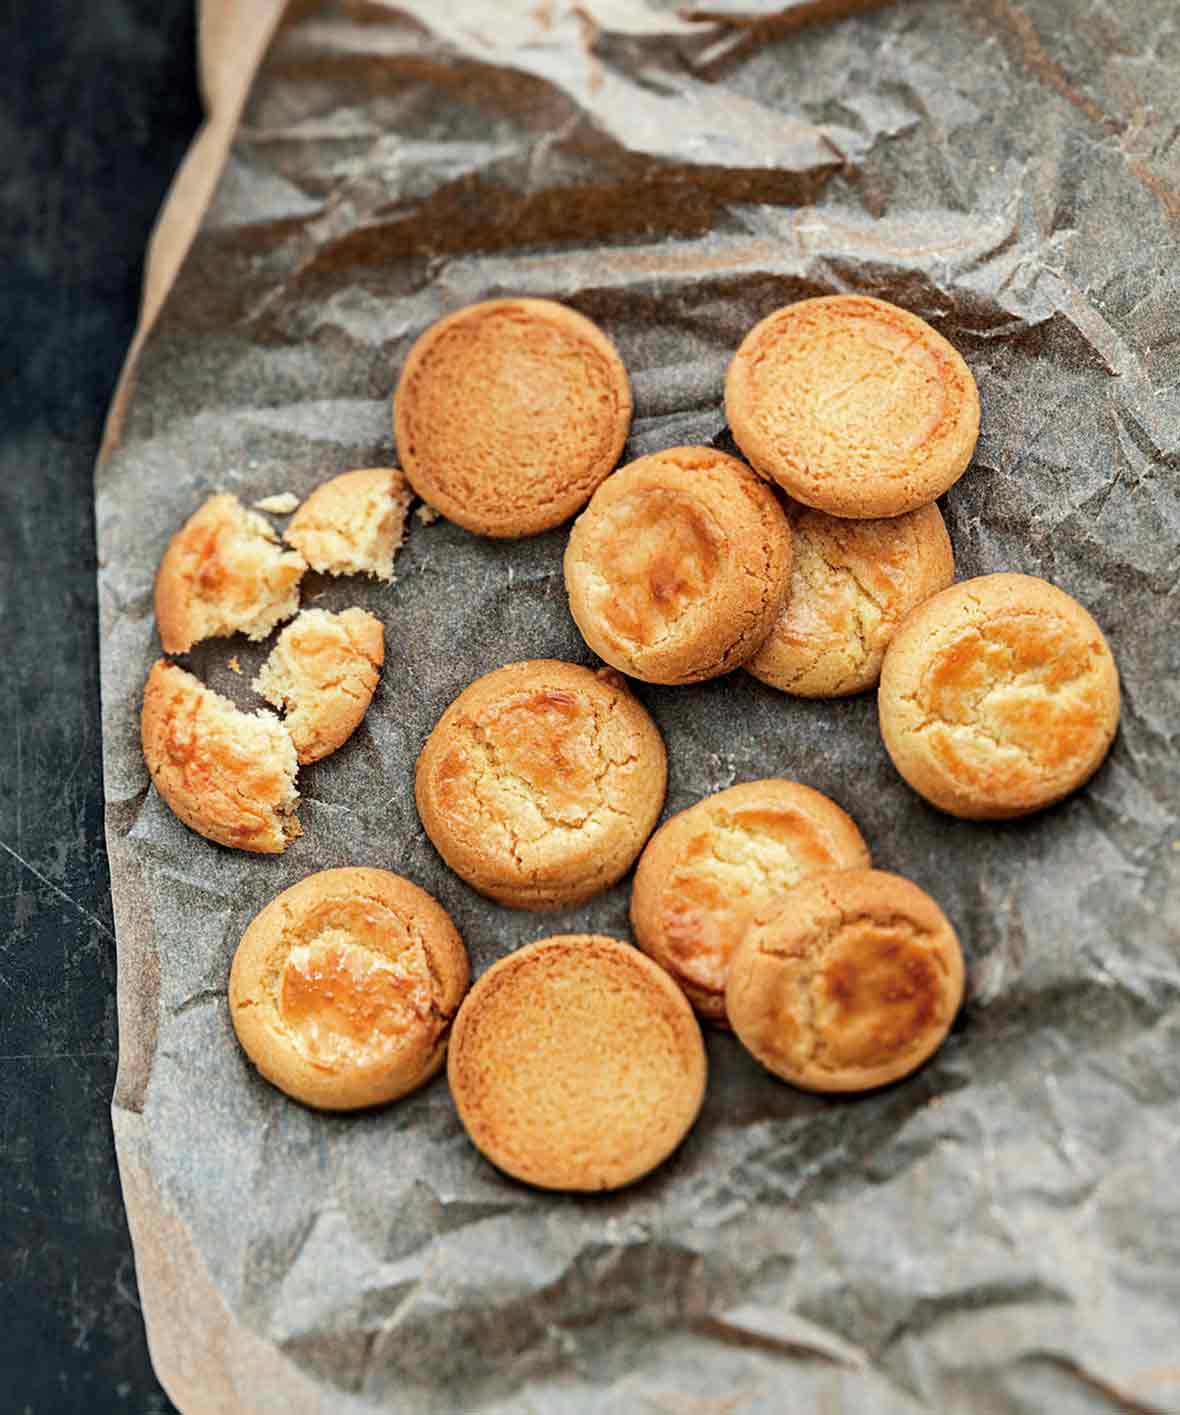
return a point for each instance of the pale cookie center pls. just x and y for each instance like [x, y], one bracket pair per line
[320, 652]
[727, 873]
[343, 1003]
[1018, 689]
[862, 391]
[549, 742]
[658, 556]
[544, 764]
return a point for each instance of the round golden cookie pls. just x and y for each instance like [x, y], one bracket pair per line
[998, 696]
[678, 568]
[576, 1063]
[509, 413]
[852, 583]
[708, 870]
[227, 774]
[541, 782]
[343, 988]
[847, 982]
[853, 406]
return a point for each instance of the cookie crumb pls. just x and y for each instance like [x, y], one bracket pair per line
[234, 666]
[426, 514]
[281, 504]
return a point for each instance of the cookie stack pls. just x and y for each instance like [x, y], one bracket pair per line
[820, 564]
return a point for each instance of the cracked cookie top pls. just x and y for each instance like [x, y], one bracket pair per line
[576, 1064]
[998, 697]
[343, 988]
[853, 406]
[848, 981]
[509, 413]
[541, 782]
[708, 870]
[852, 583]
[679, 566]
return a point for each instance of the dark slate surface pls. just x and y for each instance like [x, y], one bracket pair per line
[98, 102]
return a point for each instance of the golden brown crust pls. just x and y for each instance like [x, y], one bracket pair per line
[849, 981]
[227, 774]
[998, 696]
[708, 870]
[541, 782]
[576, 1064]
[853, 406]
[323, 672]
[852, 583]
[353, 524]
[343, 988]
[679, 567]
[224, 572]
[509, 413]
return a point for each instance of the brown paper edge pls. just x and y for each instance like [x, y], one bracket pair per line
[232, 36]
[206, 1362]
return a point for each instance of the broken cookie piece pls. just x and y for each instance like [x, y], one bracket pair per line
[353, 524]
[322, 673]
[227, 774]
[224, 572]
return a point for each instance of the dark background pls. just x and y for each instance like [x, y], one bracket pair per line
[98, 101]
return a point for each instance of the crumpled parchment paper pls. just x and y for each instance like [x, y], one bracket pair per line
[1000, 1233]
